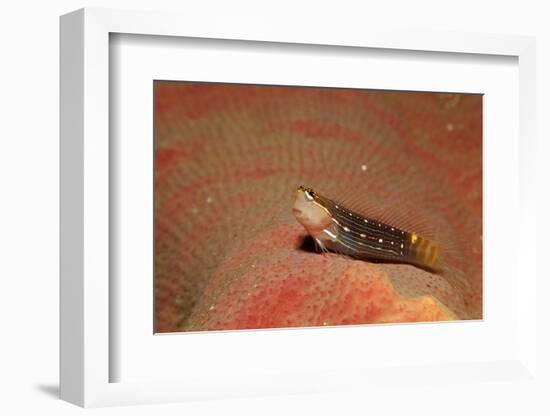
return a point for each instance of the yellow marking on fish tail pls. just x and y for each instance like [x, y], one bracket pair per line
[427, 251]
[435, 256]
[431, 252]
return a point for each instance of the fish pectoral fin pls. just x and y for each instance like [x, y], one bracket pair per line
[320, 245]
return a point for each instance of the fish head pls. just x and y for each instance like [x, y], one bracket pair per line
[309, 210]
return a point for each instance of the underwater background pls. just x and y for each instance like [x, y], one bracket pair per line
[229, 253]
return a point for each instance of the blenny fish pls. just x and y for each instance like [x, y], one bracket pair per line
[339, 229]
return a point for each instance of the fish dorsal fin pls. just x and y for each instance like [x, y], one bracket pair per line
[393, 211]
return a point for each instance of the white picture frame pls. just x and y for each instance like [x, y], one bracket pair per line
[86, 353]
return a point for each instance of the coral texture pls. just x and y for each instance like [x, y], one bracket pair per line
[228, 251]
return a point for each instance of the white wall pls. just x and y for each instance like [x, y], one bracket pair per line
[29, 207]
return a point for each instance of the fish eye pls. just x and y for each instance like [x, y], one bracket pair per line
[310, 195]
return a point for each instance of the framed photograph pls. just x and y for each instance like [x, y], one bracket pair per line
[273, 212]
